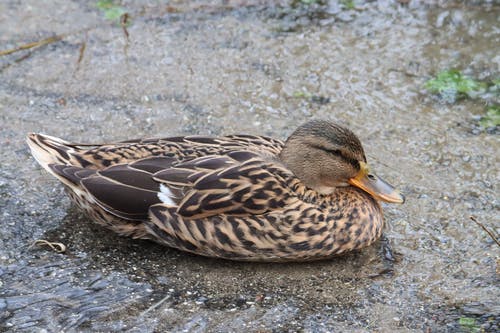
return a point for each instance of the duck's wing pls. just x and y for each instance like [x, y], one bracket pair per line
[238, 183]
[124, 190]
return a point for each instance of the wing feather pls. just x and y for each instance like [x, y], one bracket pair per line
[121, 190]
[240, 189]
[232, 183]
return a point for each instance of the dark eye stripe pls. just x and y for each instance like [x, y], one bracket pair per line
[337, 152]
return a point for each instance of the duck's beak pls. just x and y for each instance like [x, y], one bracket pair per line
[375, 186]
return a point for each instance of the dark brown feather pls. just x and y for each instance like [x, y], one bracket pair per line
[126, 175]
[153, 164]
[236, 190]
[176, 176]
[70, 173]
[125, 201]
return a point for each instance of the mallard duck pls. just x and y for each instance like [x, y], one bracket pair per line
[238, 197]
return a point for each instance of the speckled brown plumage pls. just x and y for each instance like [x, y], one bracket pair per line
[238, 197]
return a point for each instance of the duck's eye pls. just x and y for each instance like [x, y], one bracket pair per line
[372, 177]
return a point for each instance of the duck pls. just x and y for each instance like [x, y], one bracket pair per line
[237, 197]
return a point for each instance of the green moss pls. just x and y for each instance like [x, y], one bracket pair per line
[111, 11]
[348, 4]
[301, 94]
[452, 82]
[451, 85]
[492, 117]
[468, 325]
[495, 87]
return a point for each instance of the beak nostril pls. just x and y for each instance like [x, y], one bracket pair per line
[372, 177]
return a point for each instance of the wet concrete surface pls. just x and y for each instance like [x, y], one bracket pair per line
[245, 67]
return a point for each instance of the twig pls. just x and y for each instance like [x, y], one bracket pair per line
[33, 45]
[489, 232]
[124, 19]
[81, 52]
[58, 247]
[154, 306]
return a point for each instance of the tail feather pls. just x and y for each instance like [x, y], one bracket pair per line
[49, 150]
[108, 201]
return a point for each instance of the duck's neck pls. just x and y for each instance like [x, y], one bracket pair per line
[354, 218]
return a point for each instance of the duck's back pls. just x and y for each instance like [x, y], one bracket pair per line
[117, 183]
[51, 150]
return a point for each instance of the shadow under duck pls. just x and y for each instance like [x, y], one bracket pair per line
[238, 197]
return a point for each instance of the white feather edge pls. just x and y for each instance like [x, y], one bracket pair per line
[165, 195]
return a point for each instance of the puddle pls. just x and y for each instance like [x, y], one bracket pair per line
[228, 67]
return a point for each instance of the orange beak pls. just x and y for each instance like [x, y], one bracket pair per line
[375, 186]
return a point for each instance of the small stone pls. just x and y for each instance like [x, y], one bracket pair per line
[201, 300]
[3, 304]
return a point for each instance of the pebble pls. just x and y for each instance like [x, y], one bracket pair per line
[3, 304]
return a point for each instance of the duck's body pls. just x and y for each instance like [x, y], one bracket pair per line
[236, 197]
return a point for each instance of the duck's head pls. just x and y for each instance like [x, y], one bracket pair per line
[324, 156]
